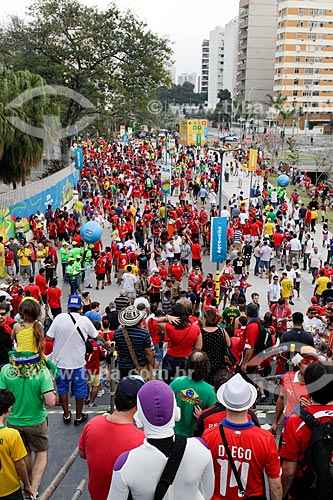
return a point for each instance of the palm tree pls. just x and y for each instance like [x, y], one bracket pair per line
[19, 151]
[285, 115]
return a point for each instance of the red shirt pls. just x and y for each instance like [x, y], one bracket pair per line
[177, 271]
[254, 451]
[196, 251]
[277, 239]
[180, 342]
[292, 390]
[41, 282]
[34, 291]
[115, 439]
[297, 434]
[54, 295]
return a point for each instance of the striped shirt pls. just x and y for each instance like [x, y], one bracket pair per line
[121, 302]
[140, 339]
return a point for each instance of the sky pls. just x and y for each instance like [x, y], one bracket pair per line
[185, 22]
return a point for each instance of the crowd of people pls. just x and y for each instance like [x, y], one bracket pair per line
[194, 357]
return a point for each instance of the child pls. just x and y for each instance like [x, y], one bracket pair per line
[12, 453]
[28, 333]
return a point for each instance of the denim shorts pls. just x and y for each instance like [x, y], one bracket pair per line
[77, 377]
[158, 353]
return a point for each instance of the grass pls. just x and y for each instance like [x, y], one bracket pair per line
[305, 198]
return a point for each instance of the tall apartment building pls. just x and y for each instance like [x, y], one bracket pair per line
[189, 77]
[304, 59]
[171, 69]
[216, 65]
[231, 56]
[256, 49]
[204, 66]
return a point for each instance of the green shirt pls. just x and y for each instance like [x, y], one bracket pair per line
[189, 394]
[64, 255]
[74, 252]
[229, 315]
[271, 216]
[29, 408]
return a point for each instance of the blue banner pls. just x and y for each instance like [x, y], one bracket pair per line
[218, 239]
[78, 155]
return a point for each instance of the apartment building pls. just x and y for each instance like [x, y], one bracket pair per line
[256, 49]
[231, 56]
[304, 59]
[216, 65]
[204, 66]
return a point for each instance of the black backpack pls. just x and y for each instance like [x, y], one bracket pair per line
[264, 339]
[317, 464]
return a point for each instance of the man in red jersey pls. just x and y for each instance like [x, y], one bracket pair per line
[296, 438]
[106, 436]
[176, 269]
[34, 290]
[252, 450]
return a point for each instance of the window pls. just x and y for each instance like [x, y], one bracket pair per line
[299, 36]
[312, 36]
[315, 104]
[297, 70]
[307, 94]
[309, 59]
[310, 48]
[301, 12]
[307, 82]
[296, 82]
[315, 93]
[316, 82]
[298, 48]
[295, 93]
[308, 71]
[297, 59]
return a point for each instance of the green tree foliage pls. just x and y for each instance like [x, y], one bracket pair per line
[19, 151]
[179, 94]
[109, 57]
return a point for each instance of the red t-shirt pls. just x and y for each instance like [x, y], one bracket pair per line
[54, 295]
[180, 342]
[297, 434]
[177, 271]
[102, 442]
[196, 251]
[34, 291]
[292, 390]
[41, 282]
[254, 451]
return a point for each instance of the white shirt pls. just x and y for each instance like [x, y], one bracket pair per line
[129, 281]
[265, 253]
[194, 479]
[177, 241]
[315, 260]
[225, 213]
[274, 292]
[168, 250]
[295, 245]
[73, 356]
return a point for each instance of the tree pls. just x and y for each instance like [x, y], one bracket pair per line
[19, 151]
[285, 115]
[109, 57]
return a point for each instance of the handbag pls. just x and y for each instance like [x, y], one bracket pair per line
[241, 488]
[146, 371]
[89, 347]
[229, 359]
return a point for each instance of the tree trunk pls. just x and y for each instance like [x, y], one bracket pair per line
[23, 177]
[14, 185]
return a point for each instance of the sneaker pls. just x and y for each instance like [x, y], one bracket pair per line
[94, 405]
[79, 421]
[291, 302]
[67, 420]
[100, 393]
[263, 399]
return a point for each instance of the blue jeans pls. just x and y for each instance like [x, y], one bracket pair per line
[171, 367]
[256, 268]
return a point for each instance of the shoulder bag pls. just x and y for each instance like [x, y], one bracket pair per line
[89, 347]
[146, 371]
[171, 467]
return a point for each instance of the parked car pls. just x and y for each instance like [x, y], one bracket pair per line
[230, 138]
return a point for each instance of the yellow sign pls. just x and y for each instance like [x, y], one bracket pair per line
[253, 160]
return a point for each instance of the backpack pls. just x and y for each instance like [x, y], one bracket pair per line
[317, 464]
[264, 339]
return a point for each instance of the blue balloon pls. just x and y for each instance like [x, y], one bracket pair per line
[91, 232]
[283, 180]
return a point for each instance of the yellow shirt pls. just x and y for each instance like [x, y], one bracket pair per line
[135, 269]
[79, 206]
[321, 284]
[11, 450]
[26, 341]
[286, 286]
[269, 228]
[24, 255]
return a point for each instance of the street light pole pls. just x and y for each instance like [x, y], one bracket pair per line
[217, 275]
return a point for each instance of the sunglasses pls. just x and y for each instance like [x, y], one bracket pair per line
[3, 314]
